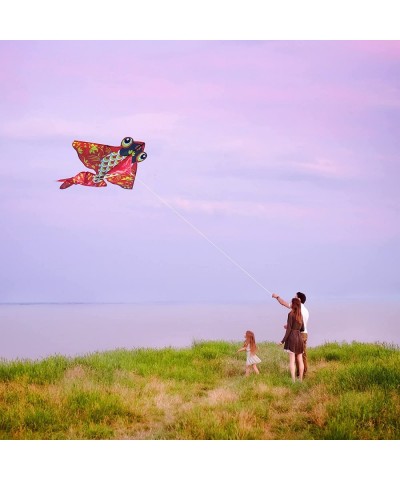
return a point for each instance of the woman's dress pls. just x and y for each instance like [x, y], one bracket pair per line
[293, 340]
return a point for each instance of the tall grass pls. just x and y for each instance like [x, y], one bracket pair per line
[42, 372]
[352, 391]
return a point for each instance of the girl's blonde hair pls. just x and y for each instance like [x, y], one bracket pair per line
[251, 341]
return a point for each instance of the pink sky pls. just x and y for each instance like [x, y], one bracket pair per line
[283, 153]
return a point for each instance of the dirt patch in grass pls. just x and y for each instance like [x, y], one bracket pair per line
[221, 395]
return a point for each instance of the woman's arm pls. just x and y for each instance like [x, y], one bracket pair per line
[281, 300]
[241, 349]
[288, 328]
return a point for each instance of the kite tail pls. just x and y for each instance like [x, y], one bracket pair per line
[82, 178]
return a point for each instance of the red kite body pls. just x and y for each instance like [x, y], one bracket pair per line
[116, 165]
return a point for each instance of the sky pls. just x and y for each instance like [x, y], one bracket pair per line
[272, 167]
[282, 153]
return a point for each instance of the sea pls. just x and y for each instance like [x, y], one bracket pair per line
[35, 331]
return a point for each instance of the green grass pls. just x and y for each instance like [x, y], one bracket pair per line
[352, 391]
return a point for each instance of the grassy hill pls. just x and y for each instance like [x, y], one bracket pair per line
[352, 392]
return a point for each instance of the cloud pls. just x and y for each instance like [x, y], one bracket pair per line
[379, 50]
[45, 126]
[322, 167]
[242, 208]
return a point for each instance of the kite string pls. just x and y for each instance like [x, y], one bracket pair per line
[203, 235]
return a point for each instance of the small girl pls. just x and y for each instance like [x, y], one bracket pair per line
[251, 348]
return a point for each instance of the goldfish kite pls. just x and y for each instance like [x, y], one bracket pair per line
[117, 165]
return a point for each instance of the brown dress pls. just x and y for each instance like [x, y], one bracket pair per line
[293, 340]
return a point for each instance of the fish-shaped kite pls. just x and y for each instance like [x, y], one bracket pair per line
[117, 165]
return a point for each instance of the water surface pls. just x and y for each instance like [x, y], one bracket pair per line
[34, 331]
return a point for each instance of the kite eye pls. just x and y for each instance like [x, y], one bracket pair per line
[127, 142]
[141, 157]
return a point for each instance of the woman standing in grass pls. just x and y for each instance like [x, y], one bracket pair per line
[293, 341]
[251, 348]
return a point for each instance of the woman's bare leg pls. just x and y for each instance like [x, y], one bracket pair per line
[301, 366]
[256, 369]
[292, 365]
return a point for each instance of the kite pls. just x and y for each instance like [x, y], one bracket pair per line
[117, 165]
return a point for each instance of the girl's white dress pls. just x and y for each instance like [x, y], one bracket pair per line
[251, 359]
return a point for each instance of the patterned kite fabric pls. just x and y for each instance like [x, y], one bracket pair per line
[117, 165]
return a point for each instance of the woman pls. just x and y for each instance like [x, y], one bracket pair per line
[293, 340]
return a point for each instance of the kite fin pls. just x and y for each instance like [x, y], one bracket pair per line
[123, 174]
[124, 181]
[82, 178]
[68, 182]
[122, 168]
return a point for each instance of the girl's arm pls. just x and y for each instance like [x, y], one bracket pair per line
[241, 349]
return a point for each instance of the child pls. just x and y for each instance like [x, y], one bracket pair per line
[251, 348]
